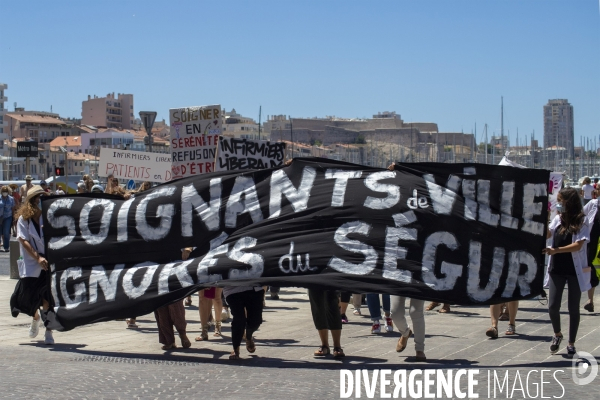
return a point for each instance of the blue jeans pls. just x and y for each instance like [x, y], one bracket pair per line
[375, 306]
[6, 225]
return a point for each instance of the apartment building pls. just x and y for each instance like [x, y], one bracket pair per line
[238, 126]
[559, 126]
[109, 112]
[40, 126]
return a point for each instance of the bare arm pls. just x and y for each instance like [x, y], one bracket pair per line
[185, 253]
[573, 247]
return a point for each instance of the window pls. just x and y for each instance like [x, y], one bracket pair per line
[131, 106]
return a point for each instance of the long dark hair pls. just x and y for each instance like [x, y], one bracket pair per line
[571, 217]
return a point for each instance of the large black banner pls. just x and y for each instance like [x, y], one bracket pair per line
[456, 233]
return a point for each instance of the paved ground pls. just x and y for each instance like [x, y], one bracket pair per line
[108, 361]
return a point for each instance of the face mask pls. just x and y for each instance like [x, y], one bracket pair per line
[4, 194]
[559, 207]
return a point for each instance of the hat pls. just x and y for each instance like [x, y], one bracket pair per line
[97, 189]
[43, 183]
[34, 191]
[28, 178]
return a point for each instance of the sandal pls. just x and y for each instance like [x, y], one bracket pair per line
[431, 306]
[217, 329]
[322, 351]
[492, 332]
[234, 356]
[402, 342]
[338, 352]
[250, 345]
[131, 324]
[445, 309]
[203, 334]
[511, 330]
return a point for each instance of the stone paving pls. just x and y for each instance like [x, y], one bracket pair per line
[106, 360]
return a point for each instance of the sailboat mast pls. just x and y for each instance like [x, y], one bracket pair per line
[502, 124]
[486, 142]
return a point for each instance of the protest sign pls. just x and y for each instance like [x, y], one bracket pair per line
[136, 165]
[194, 135]
[455, 233]
[235, 154]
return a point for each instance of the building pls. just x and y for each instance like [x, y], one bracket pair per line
[108, 112]
[40, 126]
[238, 126]
[38, 167]
[500, 142]
[558, 126]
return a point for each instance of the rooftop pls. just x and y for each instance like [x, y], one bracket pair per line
[68, 141]
[36, 119]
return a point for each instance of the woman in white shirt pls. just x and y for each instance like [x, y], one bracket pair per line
[32, 291]
[587, 190]
[568, 264]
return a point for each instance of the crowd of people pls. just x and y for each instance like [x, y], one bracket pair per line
[573, 238]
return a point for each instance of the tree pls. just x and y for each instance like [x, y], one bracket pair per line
[481, 147]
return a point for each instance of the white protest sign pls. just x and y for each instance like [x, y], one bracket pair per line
[194, 135]
[235, 154]
[554, 186]
[136, 165]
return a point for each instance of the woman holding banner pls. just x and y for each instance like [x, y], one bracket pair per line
[31, 291]
[246, 304]
[166, 318]
[417, 316]
[324, 306]
[131, 322]
[568, 264]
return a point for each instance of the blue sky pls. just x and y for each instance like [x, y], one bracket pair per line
[444, 61]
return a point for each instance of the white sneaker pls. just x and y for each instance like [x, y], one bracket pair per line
[34, 329]
[389, 325]
[48, 339]
[376, 328]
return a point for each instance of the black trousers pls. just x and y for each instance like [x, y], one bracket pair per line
[274, 289]
[557, 286]
[345, 297]
[246, 309]
[324, 305]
